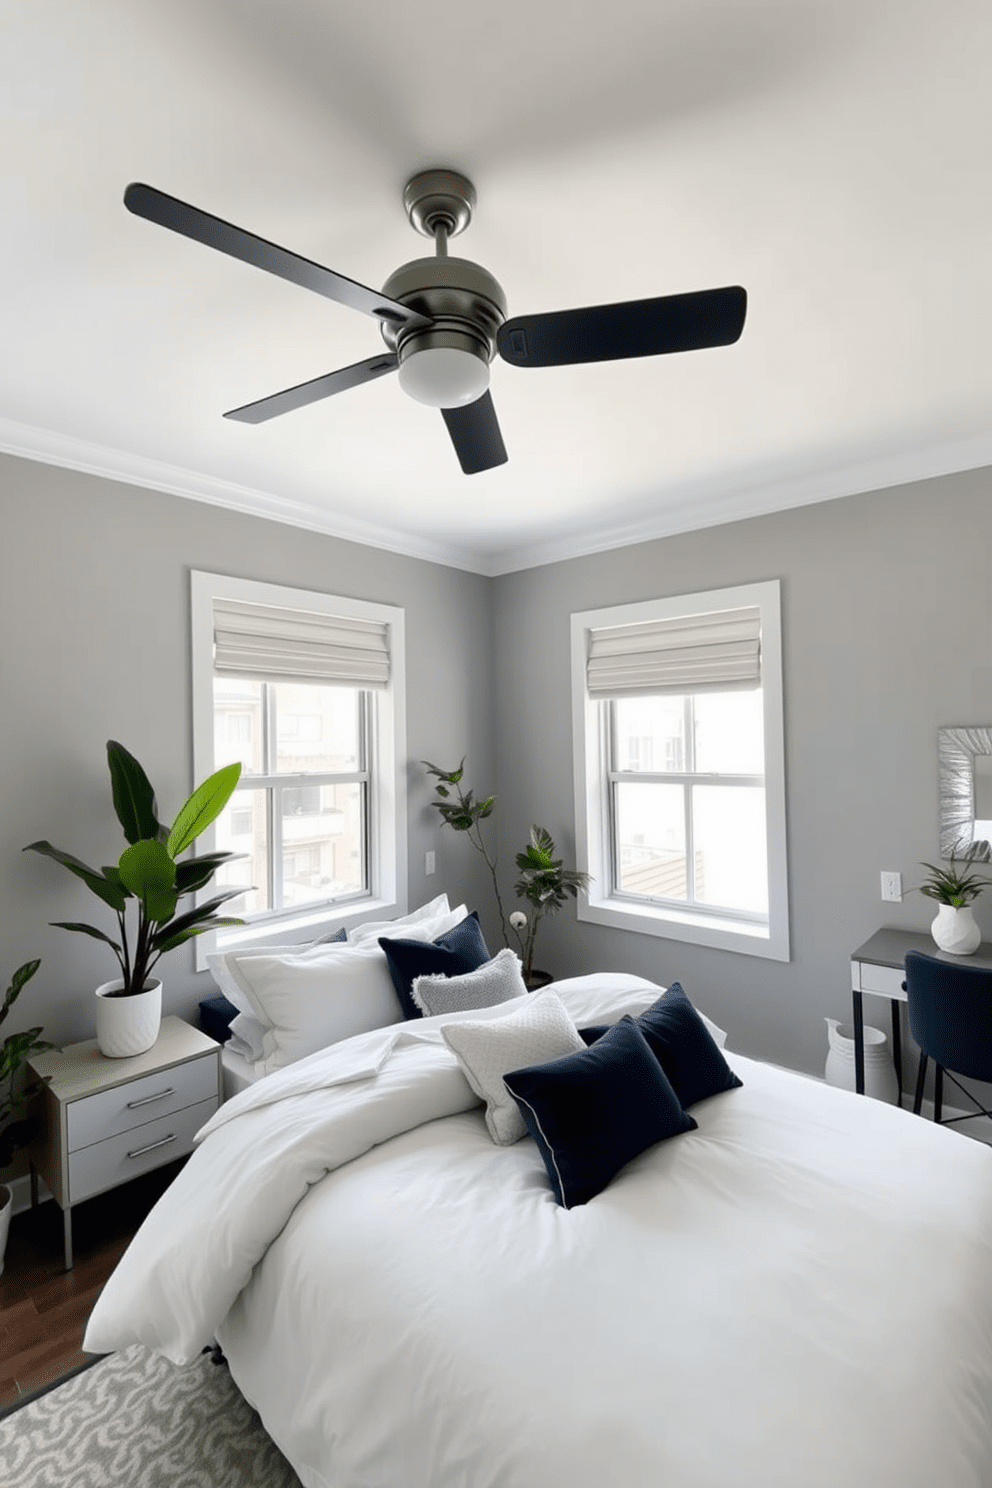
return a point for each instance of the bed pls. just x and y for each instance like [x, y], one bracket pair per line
[796, 1290]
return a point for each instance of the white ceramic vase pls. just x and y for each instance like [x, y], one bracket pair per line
[6, 1210]
[880, 1072]
[956, 930]
[127, 1025]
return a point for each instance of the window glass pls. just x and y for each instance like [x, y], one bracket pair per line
[317, 728]
[238, 731]
[650, 734]
[322, 841]
[651, 840]
[731, 850]
[242, 828]
[729, 733]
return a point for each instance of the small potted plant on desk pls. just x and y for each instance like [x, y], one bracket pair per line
[16, 1128]
[954, 888]
[545, 883]
[148, 878]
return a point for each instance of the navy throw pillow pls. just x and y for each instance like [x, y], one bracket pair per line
[590, 1113]
[454, 953]
[216, 1014]
[683, 1046]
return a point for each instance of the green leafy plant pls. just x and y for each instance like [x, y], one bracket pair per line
[545, 883]
[957, 884]
[14, 1051]
[145, 886]
[464, 812]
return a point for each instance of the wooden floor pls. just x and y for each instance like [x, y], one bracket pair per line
[43, 1307]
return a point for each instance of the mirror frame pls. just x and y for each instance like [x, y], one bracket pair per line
[956, 751]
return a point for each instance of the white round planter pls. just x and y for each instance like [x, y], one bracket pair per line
[880, 1073]
[956, 930]
[6, 1210]
[127, 1025]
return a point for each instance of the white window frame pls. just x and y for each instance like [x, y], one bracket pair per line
[597, 904]
[387, 844]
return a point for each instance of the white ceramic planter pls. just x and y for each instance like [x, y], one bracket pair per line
[6, 1210]
[880, 1072]
[956, 930]
[127, 1025]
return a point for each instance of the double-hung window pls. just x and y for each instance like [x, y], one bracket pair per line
[679, 769]
[305, 690]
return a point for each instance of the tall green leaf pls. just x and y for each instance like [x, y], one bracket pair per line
[111, 893]
[191, 930]
[204, 805]
[134, 799]
[147, 869]
[198, 871]
[192, 917]
[22, 975]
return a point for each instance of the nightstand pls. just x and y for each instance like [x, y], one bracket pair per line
[104, 1121]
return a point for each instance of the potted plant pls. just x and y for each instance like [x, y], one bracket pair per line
[954, 888]
[545, 883]
[144, 890]
[16, 1130]
[463, 812]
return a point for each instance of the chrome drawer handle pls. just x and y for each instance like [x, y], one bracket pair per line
[140, 1151]
[145, 1100]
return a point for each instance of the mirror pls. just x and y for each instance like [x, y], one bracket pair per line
[964, 765]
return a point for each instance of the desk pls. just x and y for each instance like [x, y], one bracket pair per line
[878, 968]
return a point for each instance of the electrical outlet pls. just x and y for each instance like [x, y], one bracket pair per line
[892, 887]
[429, 865]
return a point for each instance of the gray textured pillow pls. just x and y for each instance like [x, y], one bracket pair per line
[533, 1034]
[495, 981]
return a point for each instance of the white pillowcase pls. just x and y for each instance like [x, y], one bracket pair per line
[307, 1000]
[495, 981]
[538, 1031]
[403, 924]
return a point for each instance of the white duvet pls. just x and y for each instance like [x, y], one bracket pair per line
[798, 1294]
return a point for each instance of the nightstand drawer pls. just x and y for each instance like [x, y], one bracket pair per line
[94, 1118]
[885, 980]
[106, 1164]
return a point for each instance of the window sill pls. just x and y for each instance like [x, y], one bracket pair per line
[294, 929]
[692, 927]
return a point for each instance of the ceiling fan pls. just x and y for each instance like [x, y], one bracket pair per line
[443, 318]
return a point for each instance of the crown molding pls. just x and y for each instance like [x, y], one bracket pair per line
[49, 448]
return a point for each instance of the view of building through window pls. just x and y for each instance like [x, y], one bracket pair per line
[299, 811]
[687, 787]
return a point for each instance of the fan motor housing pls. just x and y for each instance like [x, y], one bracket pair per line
[465, 303]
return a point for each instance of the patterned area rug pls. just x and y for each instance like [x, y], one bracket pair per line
[136, 1421]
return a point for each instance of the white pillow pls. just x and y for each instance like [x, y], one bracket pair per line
[314, 998]
[495, 981]
[538, 1031]
[372, 929]
[224, 970]
[248, 1035]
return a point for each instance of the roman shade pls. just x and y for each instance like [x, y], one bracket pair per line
[714, 652]
[278, 645]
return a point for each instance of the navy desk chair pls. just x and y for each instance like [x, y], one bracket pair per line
[950, 1017]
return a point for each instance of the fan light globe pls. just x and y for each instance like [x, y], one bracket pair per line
[444, 376]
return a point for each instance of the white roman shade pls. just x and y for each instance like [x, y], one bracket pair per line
[279, 645]
[714, 652]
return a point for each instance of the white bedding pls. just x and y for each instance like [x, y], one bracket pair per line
[797, 1294]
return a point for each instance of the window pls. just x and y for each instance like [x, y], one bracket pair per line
[680, 790]
[306, 691]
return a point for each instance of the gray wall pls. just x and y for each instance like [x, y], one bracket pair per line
[886, 626]
[887, 622]
[94, 644]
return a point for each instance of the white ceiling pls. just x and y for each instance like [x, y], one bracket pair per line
[832, 157]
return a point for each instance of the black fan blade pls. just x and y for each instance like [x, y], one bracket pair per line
[636, 328]
[180, 217]
[312, 392]
[474, 430]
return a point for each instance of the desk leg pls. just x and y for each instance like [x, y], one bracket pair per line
[897, 1046]
[67, 1237]
[859, 1043]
